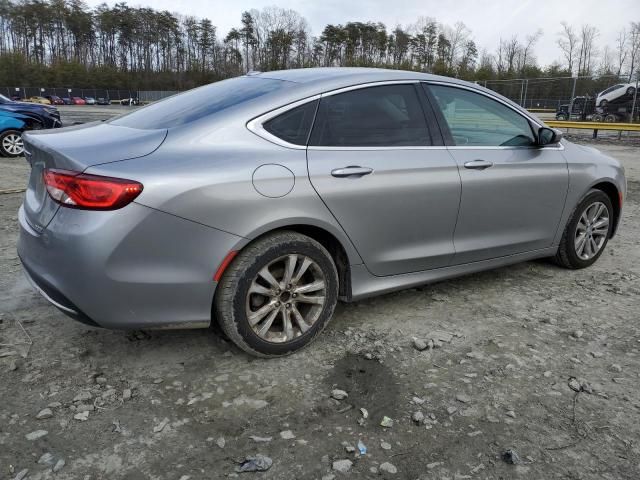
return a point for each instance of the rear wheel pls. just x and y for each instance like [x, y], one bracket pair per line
[610, 118]
[277, 295]
[11, 144]
[587, 231]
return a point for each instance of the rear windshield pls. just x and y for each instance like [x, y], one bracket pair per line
[198, 103]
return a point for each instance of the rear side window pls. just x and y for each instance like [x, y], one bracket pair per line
[294, 125]
[477, 120]
[198, 103]
[384, 116]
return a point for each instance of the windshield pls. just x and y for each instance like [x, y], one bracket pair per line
[198, 103]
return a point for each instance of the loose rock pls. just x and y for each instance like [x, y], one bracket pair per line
[418, 417]
[419, 344]
[287, 435]
[82, 416]
[342, 466]
[511, 457]
[59, 465]
[259, 463]
[339, 394]
[388, 468]
[44, 413]
[36, 435]
[386, 422]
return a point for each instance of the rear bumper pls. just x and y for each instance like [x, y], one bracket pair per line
[125, 269]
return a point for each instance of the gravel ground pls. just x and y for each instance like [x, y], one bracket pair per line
[534, 375]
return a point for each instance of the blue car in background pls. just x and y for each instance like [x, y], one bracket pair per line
[12, 125]
[47, 115]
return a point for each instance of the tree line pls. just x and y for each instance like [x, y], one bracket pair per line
[66, 43]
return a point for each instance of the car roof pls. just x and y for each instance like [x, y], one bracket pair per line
[307, 82]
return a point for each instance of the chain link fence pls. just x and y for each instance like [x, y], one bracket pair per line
[549, 94]
[107, 94]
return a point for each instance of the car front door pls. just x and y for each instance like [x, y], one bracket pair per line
[513, 192]
[386, 176]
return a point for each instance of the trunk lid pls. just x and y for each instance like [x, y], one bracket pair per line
[78, 148]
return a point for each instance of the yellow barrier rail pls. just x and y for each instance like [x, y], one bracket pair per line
[595, 126]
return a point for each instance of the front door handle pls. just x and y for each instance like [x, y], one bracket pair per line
[351, 171]
[478, 164]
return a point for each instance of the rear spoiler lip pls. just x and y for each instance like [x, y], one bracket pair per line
[80, 151]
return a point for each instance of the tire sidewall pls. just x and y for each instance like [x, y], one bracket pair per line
[590, 198]
[322, 259]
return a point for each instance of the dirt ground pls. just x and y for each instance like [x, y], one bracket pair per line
[189, 405]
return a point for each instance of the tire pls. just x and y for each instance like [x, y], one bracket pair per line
[610, 118]
[569, 255]
[597, 117]
[561, 117]
[234, 303]
[11, 143]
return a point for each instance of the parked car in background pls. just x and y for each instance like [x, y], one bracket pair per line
[12, 125]
[54, 99]
[78, 101]
[67, 101]
[616, 93]
[47, 115]
[103, 101]
[37, 99]
[302, 187]
[90, 100]
[129, 101]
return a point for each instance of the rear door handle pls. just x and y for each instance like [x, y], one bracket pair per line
[478, 164]
[351, 171]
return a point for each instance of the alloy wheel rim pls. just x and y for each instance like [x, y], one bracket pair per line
[591, 231]
[286, 298]
[12, 144]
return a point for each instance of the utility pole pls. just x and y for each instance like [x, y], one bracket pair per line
[635, 96]
[573, 90]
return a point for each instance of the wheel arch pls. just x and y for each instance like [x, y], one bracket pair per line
[614, 194]
[343, 256]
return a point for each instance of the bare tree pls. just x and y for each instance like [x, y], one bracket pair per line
[568, 42]
[622, 42]
[588, 35]
[527, 48]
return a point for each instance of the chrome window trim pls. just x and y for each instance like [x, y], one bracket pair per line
[255, 125]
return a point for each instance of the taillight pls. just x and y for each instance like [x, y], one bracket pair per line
[90, 192]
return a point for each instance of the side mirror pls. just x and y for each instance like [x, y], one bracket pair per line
[548, 136]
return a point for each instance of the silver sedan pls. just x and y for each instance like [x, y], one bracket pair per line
[259, 202]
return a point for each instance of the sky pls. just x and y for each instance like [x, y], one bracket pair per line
[488, 20]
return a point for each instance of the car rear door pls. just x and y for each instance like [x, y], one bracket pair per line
[385, 175]
[513, 192]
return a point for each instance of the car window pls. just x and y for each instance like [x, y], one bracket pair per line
[198, 103]
[294, 125]
[477, 120]
[384, 116]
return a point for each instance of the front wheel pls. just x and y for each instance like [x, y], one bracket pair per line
[587, 231]
[277, 295]
[11, 144]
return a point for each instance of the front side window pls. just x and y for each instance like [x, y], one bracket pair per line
[294, 125]
[477, 120]
[384, 116]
